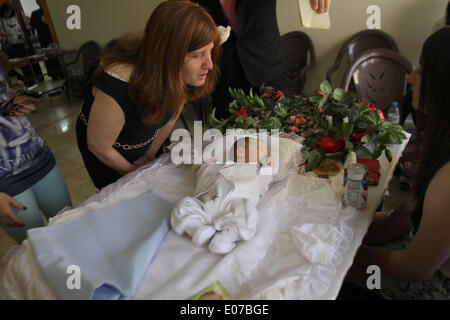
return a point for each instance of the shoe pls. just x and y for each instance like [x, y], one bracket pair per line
[202, 235]
[223, 242]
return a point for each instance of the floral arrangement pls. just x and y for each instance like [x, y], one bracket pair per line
[331, 121]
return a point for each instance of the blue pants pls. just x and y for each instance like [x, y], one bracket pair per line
[49, 195]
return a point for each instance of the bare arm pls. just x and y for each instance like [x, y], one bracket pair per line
[163, 133]
[430, 247]
[106, 121]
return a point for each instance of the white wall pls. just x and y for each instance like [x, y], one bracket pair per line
[410, 22]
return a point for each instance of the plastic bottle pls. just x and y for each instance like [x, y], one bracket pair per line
[394, 113]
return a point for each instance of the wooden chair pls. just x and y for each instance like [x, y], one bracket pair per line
[296, 47]
[360, 42]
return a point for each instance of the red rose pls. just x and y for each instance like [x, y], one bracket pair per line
[241, 112]
[330, 145]
[320, 92]
[358, 136]
[300, 120]
[381, 115]
[279, 94]
[371, 107]
[293, 128]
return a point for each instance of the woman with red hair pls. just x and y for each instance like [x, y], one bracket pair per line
[141, 86]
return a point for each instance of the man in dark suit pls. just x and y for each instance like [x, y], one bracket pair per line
[253, 54]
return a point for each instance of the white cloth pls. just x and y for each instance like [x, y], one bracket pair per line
[267, 262]
[226, 197]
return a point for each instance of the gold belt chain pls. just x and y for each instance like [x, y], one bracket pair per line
[124, 146]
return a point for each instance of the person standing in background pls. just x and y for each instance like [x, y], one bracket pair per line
[30, 179]
[13, 44]
[253, 54]
[39, 23]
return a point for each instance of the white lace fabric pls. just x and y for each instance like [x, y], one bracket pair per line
[304, 243]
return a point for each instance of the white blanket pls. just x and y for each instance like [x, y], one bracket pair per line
[270, 260]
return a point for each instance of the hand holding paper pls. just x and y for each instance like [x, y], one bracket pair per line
[314, 13]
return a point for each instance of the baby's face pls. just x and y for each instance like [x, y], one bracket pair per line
[255, 152]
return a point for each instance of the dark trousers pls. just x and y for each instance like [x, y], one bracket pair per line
[232, 75]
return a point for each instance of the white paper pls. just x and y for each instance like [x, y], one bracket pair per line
[310, 18]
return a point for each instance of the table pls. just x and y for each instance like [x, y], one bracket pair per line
[247, 272]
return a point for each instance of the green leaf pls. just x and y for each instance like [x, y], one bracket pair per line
[274, 123]
[339, 94]
[348, 145]
[323, 100]
[365, 139]
[362, 125]
[325, 87]
[353, 115]
[313, 160]
[315, 99]
[347, 129]
[365, 150]
[214, 119]
[311, 142]
[372, 118]
[388, 154]
[260, 102]
[386, 138]
[377, 152]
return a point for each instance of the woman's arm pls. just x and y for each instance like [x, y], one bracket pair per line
[386, 227]
[430, 247]
[163, 133]
[105, 123]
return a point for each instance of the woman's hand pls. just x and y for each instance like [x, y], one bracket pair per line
[23, 109]
[321, 6]
[141, 161]
[7, 216]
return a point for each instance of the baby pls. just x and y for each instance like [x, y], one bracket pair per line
[223, 210]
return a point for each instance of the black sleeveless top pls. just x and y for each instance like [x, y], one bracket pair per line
[136, 136]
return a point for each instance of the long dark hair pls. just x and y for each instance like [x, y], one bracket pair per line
[447, 16]
[434, 101]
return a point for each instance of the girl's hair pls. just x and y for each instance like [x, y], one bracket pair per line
[447, 15]
[4, 8]
[434, 101]
[4, 62]
[156, 86]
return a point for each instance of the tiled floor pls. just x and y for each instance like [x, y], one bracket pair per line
[56, 123]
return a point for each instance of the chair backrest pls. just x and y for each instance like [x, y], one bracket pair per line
[296, 46]
[379, 77]
[89, 53]
[360, 42]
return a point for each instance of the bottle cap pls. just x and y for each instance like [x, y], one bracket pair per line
[395, 104]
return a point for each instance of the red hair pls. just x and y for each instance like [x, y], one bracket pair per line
[156, 86]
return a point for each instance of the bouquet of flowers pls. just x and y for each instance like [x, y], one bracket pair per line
[331, 121]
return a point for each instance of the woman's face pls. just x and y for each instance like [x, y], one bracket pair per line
[415, 79]
[197, 64]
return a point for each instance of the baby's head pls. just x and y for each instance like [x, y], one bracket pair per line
[248, 150]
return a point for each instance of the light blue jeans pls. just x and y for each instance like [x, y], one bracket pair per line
[49, 195]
